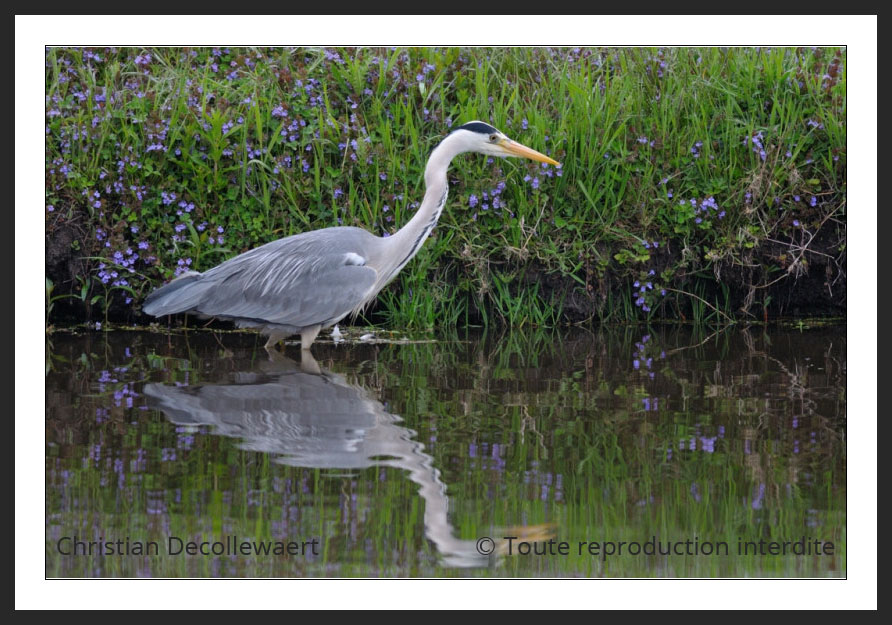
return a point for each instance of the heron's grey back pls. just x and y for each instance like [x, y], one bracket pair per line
[305, 419]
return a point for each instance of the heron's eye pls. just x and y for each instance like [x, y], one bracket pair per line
[492, 138]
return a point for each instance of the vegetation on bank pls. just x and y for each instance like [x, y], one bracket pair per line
[704, 184]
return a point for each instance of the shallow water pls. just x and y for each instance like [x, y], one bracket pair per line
[666, 452]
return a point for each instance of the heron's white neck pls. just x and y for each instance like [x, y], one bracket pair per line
[409, 239]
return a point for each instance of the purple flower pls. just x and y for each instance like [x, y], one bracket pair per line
[813, 201]
[472, 201]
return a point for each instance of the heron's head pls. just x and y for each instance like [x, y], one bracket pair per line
[481, 137]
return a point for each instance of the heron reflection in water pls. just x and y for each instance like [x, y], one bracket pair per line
[309, 417]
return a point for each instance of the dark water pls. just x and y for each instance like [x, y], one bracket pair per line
[668, 452]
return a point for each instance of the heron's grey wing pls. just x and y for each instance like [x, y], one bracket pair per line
[301, 281]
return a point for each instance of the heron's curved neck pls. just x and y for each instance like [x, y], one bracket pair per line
[409, 239]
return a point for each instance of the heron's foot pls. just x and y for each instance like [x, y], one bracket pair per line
[275, 358]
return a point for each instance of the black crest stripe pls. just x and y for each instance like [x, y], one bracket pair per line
[480, 127]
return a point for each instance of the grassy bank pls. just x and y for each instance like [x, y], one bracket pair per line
[702, 184]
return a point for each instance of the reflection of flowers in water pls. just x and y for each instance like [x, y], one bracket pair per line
[698, 442]
[156, 502]
[486, 458]
[547, 481]
[138, 464]
[812, 518]
[643, 357]
[695, 492]
[758, 496]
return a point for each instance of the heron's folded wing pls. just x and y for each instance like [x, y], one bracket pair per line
[289, 288]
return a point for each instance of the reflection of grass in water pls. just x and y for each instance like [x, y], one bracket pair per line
[525, 430]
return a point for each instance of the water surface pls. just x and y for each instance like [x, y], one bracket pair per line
[404, 459]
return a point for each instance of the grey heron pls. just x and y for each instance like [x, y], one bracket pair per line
[306, 282]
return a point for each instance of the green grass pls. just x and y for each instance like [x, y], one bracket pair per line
[631, 127]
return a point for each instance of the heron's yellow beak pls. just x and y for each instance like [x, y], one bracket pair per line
[516, 149]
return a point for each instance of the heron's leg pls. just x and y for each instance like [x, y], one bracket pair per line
[308, 336]
[274, 338]
[308, 364]
[278, 362]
